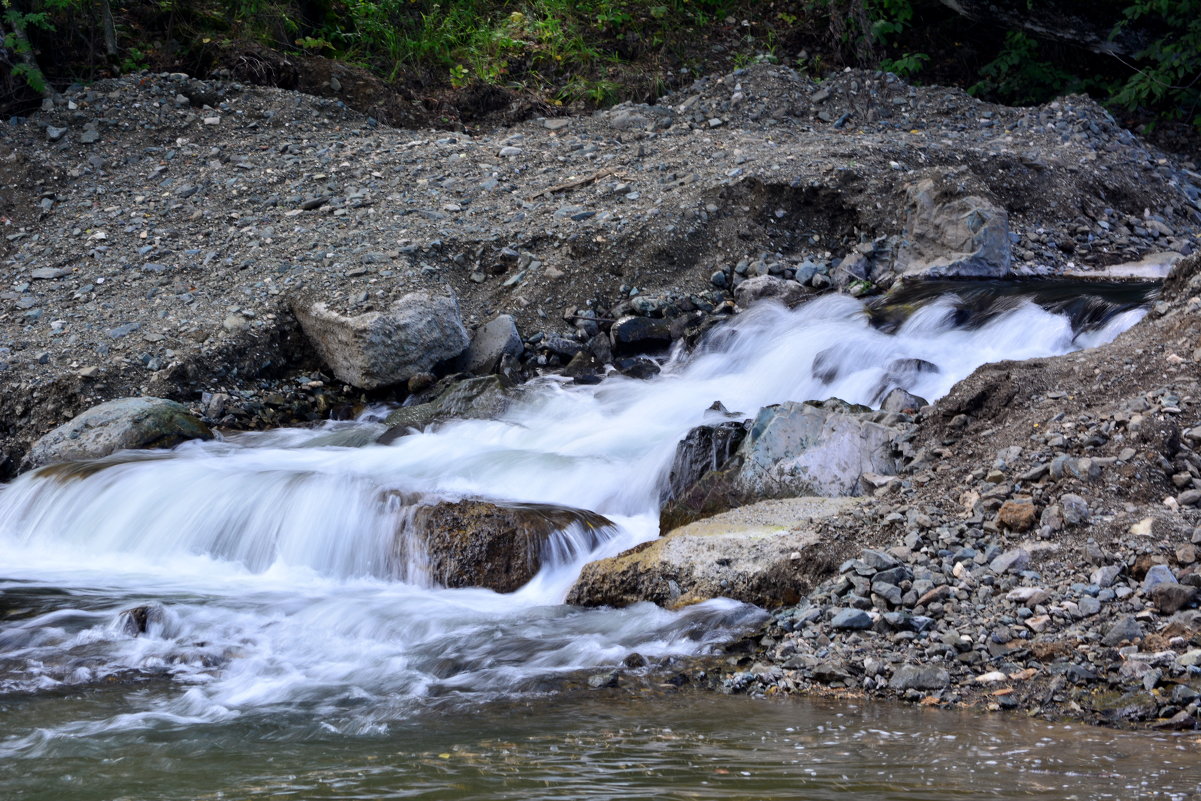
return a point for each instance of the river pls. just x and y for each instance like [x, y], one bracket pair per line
[284, 653]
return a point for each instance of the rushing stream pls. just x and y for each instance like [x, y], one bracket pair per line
[282, 646]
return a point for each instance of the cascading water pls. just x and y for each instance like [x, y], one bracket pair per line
[267, 559]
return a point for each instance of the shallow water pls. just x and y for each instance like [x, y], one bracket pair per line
[607, 744]
[277, 617]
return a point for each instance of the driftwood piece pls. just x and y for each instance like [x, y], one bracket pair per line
[575, 184]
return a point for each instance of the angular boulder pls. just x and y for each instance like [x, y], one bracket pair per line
[118, 425]
[952, 233]
[761, 554]
[499, 546]
[379, 349]
[814, 449]
[493, 341]
[639, 335]
[791, 449]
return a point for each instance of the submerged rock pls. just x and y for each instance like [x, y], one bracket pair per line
[383, 348]
[481, 398]
[475, 543]
[760, 554]
[118, 425]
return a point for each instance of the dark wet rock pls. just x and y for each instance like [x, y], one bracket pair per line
[378, 349]
[118, 425]
[637, 367]
[703, 450]
[138, 620]
[475, 543]
[492, 342]
[631, 335]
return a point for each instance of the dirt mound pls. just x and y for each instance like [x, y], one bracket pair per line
[159, 224]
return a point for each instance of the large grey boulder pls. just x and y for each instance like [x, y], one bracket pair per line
[118, 425]
[764, 554]
[814, 449]
[378, 349]
[492, 342]
[790, 449]
[952, 233]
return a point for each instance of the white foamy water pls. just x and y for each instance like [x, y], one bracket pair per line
[268, 557]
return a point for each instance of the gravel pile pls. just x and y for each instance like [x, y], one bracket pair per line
[157, 228]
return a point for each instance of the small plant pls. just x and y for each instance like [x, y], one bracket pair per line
[1170, 71]
[1019, 75]
[134, 61]
[906, 66]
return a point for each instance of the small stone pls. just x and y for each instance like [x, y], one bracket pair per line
[1186, 554]
[1017, 515]
[1143, 527]
[1088, 606]
[1170, 597]
[1158, 574]
[879, 560]
[1038, 623]
[1126, 628]
[1075, 509]
[1029, 597]
[851, 619]
[49, 273]
[916, 677]
[54, 134]
[1105, 575]
[1016, 560]
[509, 152]
[1189, 497]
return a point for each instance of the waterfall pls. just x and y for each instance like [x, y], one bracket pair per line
[271, 558]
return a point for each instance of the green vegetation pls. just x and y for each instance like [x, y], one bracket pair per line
[601, 51]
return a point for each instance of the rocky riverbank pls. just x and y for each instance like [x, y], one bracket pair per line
[158, 230]
[1038, 552]
[268, 258]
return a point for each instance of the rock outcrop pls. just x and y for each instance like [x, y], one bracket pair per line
[379, 349]
[951, 232]
[118, 425]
